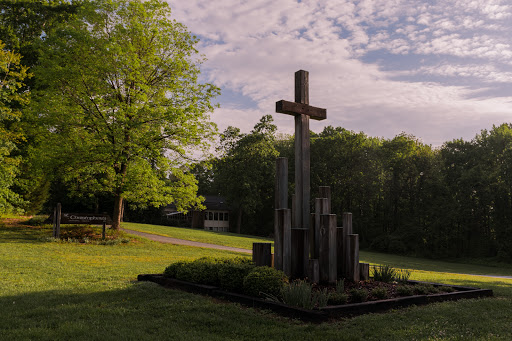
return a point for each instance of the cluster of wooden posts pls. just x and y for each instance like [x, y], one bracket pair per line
[323, 252]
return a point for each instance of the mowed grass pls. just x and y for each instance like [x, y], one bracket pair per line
[203, 236]
[63, 291]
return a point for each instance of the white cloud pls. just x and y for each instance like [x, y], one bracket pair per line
[254, 47]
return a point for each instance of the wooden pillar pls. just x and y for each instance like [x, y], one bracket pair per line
[347, 230]
[327, 252]
[321, 207]
[103, 231]
[57, 220]
[262, 254]
[340, 255]
[325, 192]
[300, 253]
[364, 271]
[281, 190]
[353, 258]
[302, 153]
[294, 223]
[282, 240]
[314, 271]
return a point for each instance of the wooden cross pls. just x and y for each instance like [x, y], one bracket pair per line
[302, 112]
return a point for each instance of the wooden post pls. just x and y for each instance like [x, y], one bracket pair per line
[103, 231]
[321, 207]
[354, 258]
[347, 230]
[281, 200]
[282, 240]
[314, 271]
[300, 253]
[294, 223]
[262, 254]
[57, 220]
[325, 192]
[340, 255]
[54, 232]
[327, 252]
[364, 271]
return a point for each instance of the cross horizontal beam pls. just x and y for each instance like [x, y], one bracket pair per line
[292, 108]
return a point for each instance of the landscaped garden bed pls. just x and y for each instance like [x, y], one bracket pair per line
[238, 280]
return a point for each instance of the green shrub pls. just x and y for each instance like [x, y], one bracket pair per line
[231, 275]
[425, 289]
[446, 289]
[384, 273]
[402, 275]
[380, 293]
[37, 220]
[404, 290]
[320, 298]
[358, 295]
[340, 286]
[172, 269]
[263, 280]
[298, 294]
[338, 298]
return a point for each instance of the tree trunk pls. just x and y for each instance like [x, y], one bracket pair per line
[118, 208]
[239, 221]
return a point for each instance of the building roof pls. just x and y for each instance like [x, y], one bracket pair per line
[215, 202]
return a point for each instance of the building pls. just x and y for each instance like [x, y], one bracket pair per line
[215, 217]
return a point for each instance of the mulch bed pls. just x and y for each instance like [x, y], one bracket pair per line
[329, 312]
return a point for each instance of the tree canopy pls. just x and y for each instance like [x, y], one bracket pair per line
[123, 103]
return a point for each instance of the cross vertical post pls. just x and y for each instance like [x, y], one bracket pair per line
[302, 153]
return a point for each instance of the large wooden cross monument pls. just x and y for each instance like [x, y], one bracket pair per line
[302, 112]
[308, 245]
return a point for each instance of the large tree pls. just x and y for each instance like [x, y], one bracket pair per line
[124, 105]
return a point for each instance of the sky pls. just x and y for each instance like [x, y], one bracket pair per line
[437, 69]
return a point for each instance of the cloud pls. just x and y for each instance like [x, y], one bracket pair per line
[357, 53]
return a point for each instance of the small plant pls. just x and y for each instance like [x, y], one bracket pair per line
[358, 295]
[320, 297]
[404, 290]
[402, 275]
[446, 289]
[380, 293]
[172, 269]
[384, 273]
[340, 286]
[425, 289]
[263, 280]
[337, 298]
[298, 294]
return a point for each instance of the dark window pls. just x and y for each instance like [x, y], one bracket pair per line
[210, 216]
[226, 216]
[215, 216]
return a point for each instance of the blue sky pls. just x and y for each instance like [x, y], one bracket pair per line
[438, 70]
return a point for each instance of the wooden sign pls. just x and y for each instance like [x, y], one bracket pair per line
[85, 218]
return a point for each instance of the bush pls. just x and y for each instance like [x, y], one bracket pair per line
[384, 273]
[402, 275]
[404, 290]
[425, 289]
[172, 269]
[298, 294]
[263, 280]
[231, 275]
[380, 293]
[358, 295]
[338, 298]
[340, 286]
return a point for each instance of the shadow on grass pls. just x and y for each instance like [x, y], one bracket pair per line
[25, 234]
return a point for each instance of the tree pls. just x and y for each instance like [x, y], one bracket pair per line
[245, 173]
[123, 104]
[12, 75]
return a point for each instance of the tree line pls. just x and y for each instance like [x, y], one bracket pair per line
[405, 196]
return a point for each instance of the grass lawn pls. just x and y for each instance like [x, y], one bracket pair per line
[220, 238]
[63, 291]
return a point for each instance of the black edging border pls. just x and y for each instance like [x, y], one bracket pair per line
[326, 313]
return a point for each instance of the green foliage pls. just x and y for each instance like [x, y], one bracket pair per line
[404, 290]
[264, 280]
[172, 270]
[337, 298]
[231, 275]
[379, 293]
[425, 289]
[298, 294]
[384, 273]
[402, 275]
[340, 285]
[358, 295]
[244, 174]
[129, 109]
